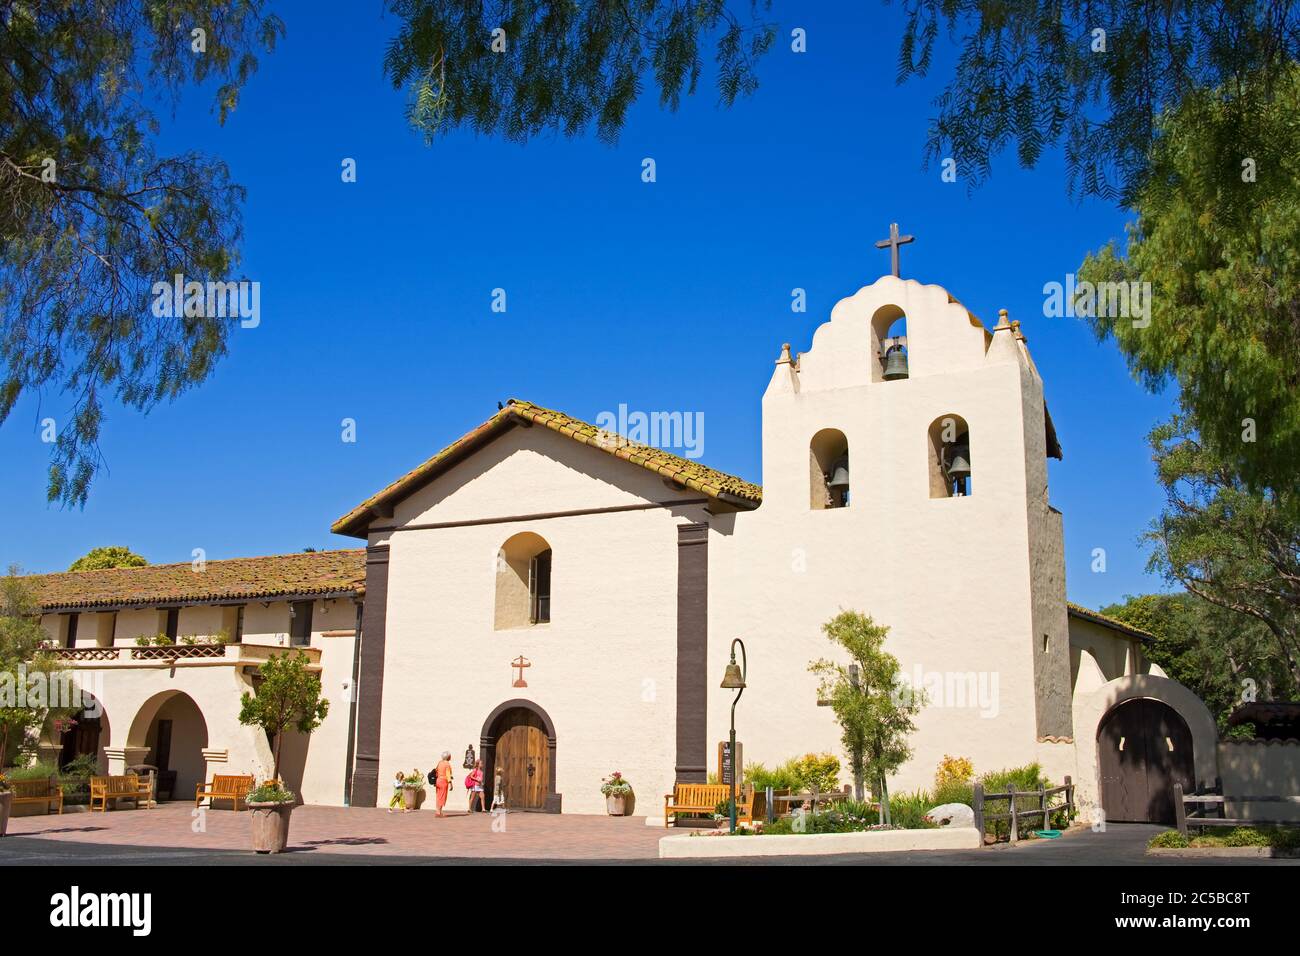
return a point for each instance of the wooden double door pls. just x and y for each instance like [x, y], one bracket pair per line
[1143, 749]
[523, 758]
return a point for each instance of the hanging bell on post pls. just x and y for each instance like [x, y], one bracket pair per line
[895, 363]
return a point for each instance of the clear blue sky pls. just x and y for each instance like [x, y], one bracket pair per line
[376, 295]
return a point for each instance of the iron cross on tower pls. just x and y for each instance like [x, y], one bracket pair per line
[892, 243]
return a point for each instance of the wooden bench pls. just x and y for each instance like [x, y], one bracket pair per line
[127, 787]
[704, 798]
[231, 788]
[46, 791]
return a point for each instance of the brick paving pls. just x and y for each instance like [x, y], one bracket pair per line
[361, 831]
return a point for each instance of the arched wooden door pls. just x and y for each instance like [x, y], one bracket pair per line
[523, 757]
[1143, 749]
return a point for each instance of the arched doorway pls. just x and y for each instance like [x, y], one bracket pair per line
[1144, 747]
[519, 739]
[172, 727]
[86, 734]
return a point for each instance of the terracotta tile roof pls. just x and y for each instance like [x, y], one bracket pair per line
[680, 471]
[278, 575]
[1105, 620]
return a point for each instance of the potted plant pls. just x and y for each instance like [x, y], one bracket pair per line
[270, 805]
[412, 789]
[288, 697]
[6, 800]
[616, 790]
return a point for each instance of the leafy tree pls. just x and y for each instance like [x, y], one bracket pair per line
[22, 656]
[92, 217]
[288, 697]
[1222, 655]
[110, 556]
[1037, 73]
[874, 717]
[523, 67]
[1237, 548]
[1218, 238]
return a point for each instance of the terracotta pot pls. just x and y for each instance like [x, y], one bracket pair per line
[616, 804]
[270, 826]
[6, 800]
[410, 798]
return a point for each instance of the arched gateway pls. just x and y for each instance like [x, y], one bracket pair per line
[1144, 747]
[519, 738]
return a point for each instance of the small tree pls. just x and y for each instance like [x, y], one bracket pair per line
[111, 556]
[23, 656]
[288, 697]
[874, 717]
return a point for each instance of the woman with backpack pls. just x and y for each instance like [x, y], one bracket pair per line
[474, 784]
[442, 780]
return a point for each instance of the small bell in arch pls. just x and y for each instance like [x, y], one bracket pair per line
[837, 483]
[958, 467]
[895, 362]
[469, 757]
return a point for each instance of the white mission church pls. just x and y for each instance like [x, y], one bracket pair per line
[564, 601]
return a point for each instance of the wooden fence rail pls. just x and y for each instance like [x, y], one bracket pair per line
[1015, 814]
[1212, 798]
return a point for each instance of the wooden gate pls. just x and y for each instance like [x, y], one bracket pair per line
[523, 759]
[1143, 749]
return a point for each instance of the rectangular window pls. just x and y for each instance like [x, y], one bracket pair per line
[71, 640]
[173, 623]
[300, 623]
[539, 588]
[238, 636]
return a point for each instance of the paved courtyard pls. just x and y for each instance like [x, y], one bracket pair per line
[339, 835]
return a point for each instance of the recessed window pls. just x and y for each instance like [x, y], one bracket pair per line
[523, 582]
[828, 466]
[300, 623]
[71, 639]
[950, 462]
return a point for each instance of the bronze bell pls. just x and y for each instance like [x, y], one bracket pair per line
[839, 480]
[732, 679]
[959, 461]
[895, 363]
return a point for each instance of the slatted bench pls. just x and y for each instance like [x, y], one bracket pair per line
[232, 788]
[127, 787]
[704, 798]
[46, 791]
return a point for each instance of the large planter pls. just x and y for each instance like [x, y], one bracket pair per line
[411, 798]
[616, 804]
[6, 801]
[270, 826]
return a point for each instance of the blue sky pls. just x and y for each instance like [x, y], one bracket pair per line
[376, 294]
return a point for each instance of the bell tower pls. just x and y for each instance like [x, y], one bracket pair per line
[905, 476]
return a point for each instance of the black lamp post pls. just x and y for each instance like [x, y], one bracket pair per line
[734, 679]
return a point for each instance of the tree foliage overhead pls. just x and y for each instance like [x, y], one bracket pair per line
[563, 65]
[91, 217]
[1218, 239]
[1225, 657]
[1232, 546]
[110, 556]
[1027, 75]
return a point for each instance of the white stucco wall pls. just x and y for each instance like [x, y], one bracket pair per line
[603, 669]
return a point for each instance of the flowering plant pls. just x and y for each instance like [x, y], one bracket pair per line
[4, 783]
[615, 785]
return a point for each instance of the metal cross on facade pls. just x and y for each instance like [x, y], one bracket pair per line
[892, 244]
[521, 662]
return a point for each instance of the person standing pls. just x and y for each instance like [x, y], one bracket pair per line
[474, 784]
[442, 777]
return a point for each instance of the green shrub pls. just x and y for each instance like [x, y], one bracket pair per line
[954, 791]
[1246, 836]
[1028, 777]
[1169, 840]
[784, 777]
[907, 810]
[37, 771]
